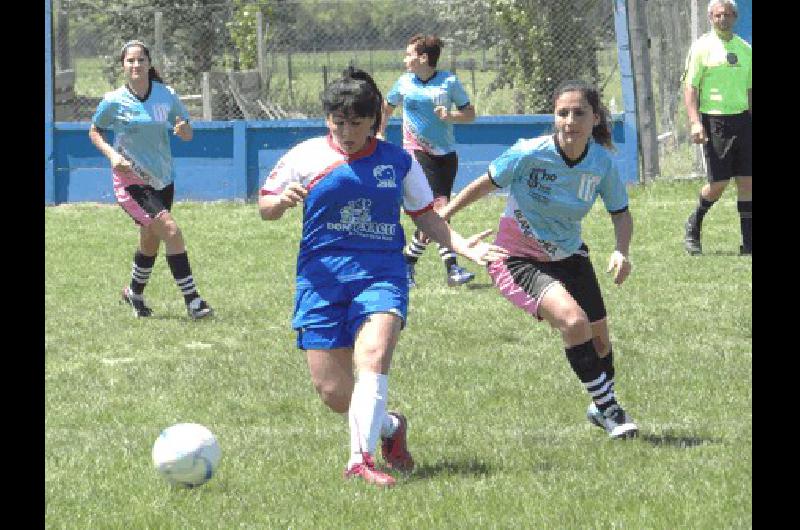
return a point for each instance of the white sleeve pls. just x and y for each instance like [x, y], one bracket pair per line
[281, 175]
[417, 194]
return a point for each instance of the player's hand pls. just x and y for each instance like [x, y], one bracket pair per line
[698, 133]
[380, 136]
[620, 265]
[293, 194]
[481, 252]
[442, 112]
[120, 163]
[182, 129]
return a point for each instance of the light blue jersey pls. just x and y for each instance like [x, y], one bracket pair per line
[422, 128]
[141, 129]
[548, 198]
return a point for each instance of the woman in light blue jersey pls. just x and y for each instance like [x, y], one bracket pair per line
[432, 100]
[141, 114]
[351, 293]
[552, 183]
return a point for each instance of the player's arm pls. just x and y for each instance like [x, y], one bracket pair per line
[388, 110]
[478, 188]
[472, 248]
[273, 206]
[750, 101]
[691, 97]
[463, 115]
[619, 262]
[117, 160]
[183, 129]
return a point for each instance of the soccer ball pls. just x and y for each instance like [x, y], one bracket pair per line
[186, 454]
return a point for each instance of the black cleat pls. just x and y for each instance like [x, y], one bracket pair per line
[136, 302]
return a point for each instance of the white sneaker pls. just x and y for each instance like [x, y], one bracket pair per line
[615, 421]
[198, 308]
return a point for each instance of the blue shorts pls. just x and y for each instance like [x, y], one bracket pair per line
[329, 317]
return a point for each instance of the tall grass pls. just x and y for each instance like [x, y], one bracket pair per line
[496, 416]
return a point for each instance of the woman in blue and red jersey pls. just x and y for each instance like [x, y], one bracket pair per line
[351, 294]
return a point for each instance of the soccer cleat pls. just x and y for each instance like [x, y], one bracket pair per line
[692, 238]
[367, 471]
[198, 308]
[458, 276]
[615, 421]
[394, 449]
[136, 302]
[411, 282]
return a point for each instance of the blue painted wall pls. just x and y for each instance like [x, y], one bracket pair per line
[744, 22]
[229, 160]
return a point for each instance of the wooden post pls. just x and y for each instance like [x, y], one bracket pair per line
[699, 161]
[262, 69]
[206, 91]
[645, 107]
[324, 76]
[289, 72]
[62, 37]
[158, 46]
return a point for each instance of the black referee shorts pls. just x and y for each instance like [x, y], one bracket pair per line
[729, 150]
[441, 171]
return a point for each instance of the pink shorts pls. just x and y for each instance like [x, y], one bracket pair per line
[140, 200]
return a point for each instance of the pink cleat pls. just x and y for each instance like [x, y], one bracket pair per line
[394, 450]
[367, 471]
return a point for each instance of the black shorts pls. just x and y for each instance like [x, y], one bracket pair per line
[148, 202]
[524, 281]
[729, 150]
[441, 171]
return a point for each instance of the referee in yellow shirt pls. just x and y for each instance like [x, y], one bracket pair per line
[719, 102]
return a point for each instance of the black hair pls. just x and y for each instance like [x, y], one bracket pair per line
[602, 131]
[152, 73]
[354, 94]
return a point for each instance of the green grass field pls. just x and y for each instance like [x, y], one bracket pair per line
[496, 416]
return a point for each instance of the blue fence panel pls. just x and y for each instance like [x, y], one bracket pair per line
[228, 160]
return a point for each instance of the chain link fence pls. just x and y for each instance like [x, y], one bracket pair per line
[271, 59]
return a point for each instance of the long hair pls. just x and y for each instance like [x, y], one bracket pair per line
[355, 93]
[152, 73]
[602, 131]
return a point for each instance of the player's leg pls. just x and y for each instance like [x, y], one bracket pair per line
[743, 165]
[167, 229]
[332, 376]
[442, 180]
[717, 152]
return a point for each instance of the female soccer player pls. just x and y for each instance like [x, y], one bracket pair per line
[141, 114]
[552, 183]
[427, 96]
[351, 293]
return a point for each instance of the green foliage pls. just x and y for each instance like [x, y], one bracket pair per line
[546, 42]
[496, 415]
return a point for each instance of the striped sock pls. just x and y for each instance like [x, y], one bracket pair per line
[140, 272]
[448, 256]
[182, 272]
[589, 369]
[414, 249]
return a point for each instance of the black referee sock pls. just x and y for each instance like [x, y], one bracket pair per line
[700, 212]
[746, 221]
[589, 369]
[182, 272]
[140, 272]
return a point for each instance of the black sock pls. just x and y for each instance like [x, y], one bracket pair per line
[140, 272]
[589, 369]
[700, 212]
[607, 363]
[746, 221]
[182, 272]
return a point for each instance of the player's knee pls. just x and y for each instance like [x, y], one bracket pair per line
[334, 396]
[601, 345]
[573, 321]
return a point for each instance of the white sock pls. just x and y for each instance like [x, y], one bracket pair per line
[390, 424]
[367, 414]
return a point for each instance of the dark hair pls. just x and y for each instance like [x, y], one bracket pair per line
[152, 74]
[602, 131]
[429, 44]
[354, 94]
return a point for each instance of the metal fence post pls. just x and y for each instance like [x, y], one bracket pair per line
[158, 46]
[262, 69]
[49, 163]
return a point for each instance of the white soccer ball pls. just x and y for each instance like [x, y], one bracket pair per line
[186, 454]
